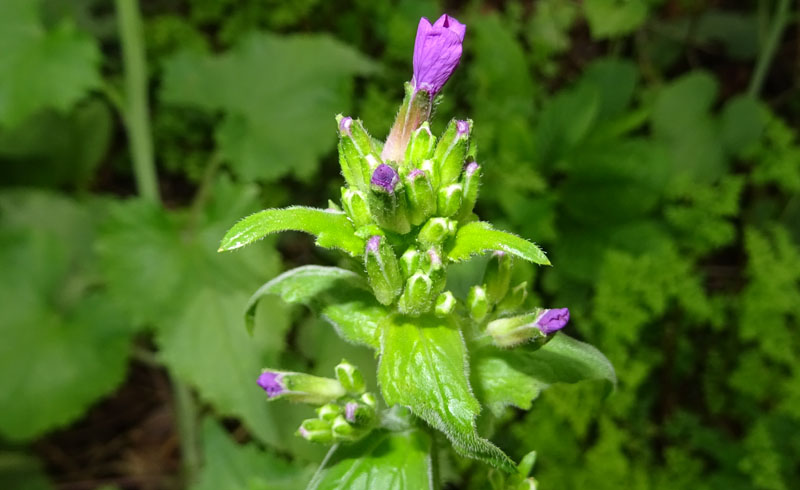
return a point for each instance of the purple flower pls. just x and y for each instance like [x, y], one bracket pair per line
[271, 382]
[437, 51]
[385, 177]
[552, 320]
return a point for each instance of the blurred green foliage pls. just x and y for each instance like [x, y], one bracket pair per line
[619, 134]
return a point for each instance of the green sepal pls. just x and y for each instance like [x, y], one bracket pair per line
[341, 297]
[514, 299]
[497, 277]
[449, 200]
[479, 237]
[471, 183]
[421, 146]
[417, 297]
[477, 303]
[332, 228]
[421, 199]
[436, 231]
[355, 145]
[389, 209]
[355, 206]
[383, 270]
[451, 151]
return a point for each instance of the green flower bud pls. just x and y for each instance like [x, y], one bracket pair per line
[417, 295]
[471, 182]
[329, 412]
[316, 430]
[387, 202]
[410, 261]
[300, 387]
[359, 414]
[451, 151]
[449, 200]
[369, 400]
[421, 146]
[419, 192]
[445, 304]
[355, 145]
[429, 167]
[355, 206]
[383, 270]
[343, 431]
[497, 277]
[436, 231]
[514, 299]
[350, 378]
[534, 326]
[477, 303]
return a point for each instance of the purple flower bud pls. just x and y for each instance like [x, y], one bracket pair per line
[472, 167]
[462, 127]
[271, 383]
[437, 51]
[350, 411]
[385, 177]
[552, 320]
[374, 243]
[344, 125]
[415, 174]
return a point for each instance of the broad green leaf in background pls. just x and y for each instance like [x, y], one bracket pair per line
[424, 366]
[479, 237]
[64, 344]
[517, 376]
[278, 116]
[612, 18]
[391, 460]
[343, 299]
[232, 466]
[332, 228]
[38, 68]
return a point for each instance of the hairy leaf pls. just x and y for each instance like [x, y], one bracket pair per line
[517, 376]
[479, 237]
[341, 297]
[396, 460]
[332, 228]
[424, 366]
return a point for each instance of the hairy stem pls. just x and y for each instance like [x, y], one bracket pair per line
[135, 104]
[776, 28]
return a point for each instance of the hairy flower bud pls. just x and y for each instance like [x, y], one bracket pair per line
[329, 411]
[419, 192]
[471, 182]
[350, 377]
[535, 326]
[359, 414]
[436, 231]
[477, 303]
[387, 202]
[445, 304]
[355, 206]
[316, 430]
[421, 146]
[497, 277]
[299, 387]
[451, 151]
[449, 200]
[410, 261]
[417, 296]
[355, 145]
[383, 271]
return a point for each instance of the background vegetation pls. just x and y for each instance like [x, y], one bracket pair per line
[650, 146]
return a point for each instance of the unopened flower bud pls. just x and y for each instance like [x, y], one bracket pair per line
[436, 231]
[369, 400]
[359, 414]
[449, 200]
[300, 387]
[316, 430]
[343, 431]
[514, 299]
[471, 182]
[410, 261]
[355, 145]
[417, 295]
[497, 277]
[355, 206]
[535, 326]
[451, 151]
[477, 303]
[387, 202]
[437, 51]
[429, 167]
[329, 411]
[350, 377]
[421, 201]
[445, 304]
[383, 270]
[421, 146]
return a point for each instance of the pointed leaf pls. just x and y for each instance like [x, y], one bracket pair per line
[479, 237]
[424, 366]
[397, 460]
[332, 228]
[341, 297]
[517, 376]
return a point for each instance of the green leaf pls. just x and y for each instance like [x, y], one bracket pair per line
[612, 18]
[64, 344]
[424, 366]
[396, 460]
[517, 376]
[231, 466]
[479, 237]
[332, 228]
[341, 297]
[41, 69]
[278, 112]
[20, 471]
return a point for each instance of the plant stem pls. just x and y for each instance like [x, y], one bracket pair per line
[136, 109]
[779, 20]
[186, 415]
[436, 474]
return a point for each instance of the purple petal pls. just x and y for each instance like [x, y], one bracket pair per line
[386, 177]
[472, 167]
[350, 411]
[553, 320]
[437, 51]
[374, 243]
[271, 383]
[344, 125]
[452, 24]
